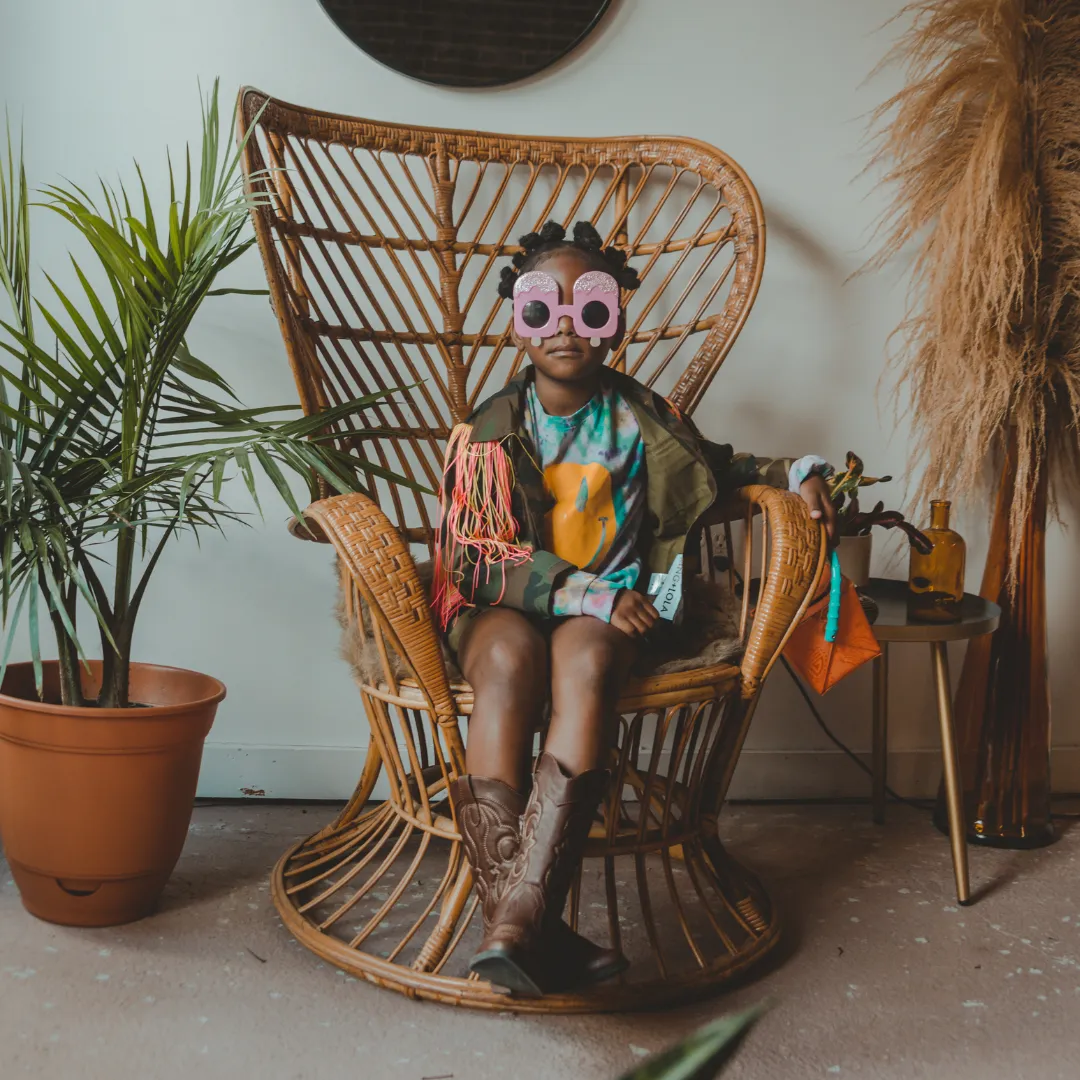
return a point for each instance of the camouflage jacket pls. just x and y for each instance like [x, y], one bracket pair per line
[686, 475]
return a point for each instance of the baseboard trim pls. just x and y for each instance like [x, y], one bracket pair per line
[230, 771]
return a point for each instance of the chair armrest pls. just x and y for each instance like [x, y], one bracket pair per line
[794, 563]
[384, 572]
[307, 528]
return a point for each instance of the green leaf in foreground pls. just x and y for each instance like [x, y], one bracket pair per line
[701, 1055]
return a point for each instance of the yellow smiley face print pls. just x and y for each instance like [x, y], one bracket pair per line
[581, 525]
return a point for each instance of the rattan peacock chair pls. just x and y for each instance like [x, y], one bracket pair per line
[382, 245]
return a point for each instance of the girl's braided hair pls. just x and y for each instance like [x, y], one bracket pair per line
[537, 246]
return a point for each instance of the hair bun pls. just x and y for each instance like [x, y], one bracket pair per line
[551, 237]
[586, 236]
[507, 276]
[551, 233]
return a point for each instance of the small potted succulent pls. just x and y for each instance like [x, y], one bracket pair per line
[855, 524]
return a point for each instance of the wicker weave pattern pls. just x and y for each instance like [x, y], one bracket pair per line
[381, 245]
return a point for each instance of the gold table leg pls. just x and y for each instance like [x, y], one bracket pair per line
[951, 764]
[880, 735]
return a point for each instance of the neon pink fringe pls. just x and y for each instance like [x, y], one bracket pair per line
[476, 516]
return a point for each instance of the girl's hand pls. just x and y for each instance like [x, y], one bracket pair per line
[633, 614]
[816, 493]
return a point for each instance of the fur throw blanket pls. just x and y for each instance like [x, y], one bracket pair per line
[708, 634]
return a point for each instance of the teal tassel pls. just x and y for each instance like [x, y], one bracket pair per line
[832, 621]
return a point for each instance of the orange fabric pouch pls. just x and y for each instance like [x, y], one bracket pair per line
[823, 663]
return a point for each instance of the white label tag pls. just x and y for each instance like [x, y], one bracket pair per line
[669, 595]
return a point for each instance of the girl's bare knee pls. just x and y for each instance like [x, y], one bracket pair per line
[507, 653]
[515, 659]
[592, 658]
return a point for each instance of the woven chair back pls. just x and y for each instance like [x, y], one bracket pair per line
[383, 245]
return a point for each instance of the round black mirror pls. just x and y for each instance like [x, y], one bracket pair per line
[466, 42]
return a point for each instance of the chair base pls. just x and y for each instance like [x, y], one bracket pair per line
[387, 902]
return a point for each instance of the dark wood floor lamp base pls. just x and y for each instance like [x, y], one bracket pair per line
[1002, 707]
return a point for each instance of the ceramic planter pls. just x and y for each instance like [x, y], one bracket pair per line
[95, 803]
[854, 554]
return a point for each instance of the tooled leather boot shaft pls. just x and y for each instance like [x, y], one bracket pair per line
[489, 817]
[554, 830]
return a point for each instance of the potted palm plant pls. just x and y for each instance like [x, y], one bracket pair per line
[115, 439]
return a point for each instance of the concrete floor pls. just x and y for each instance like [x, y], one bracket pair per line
[882, 976]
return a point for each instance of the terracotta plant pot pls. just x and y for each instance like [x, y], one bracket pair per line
[95, 803]
[854, 554]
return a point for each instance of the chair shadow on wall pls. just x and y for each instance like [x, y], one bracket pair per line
[803, 254]
[807, 256]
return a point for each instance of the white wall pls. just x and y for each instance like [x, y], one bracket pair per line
[779, 84]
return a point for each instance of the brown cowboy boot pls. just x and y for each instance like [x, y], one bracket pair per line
[518, 948]
[489, 816]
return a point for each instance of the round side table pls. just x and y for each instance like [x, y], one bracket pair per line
[977, 617]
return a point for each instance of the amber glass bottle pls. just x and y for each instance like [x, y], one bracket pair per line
[936, 581]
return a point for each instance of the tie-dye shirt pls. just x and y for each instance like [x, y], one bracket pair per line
[594, 466]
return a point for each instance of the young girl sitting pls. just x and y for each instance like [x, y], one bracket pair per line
[563, 493]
